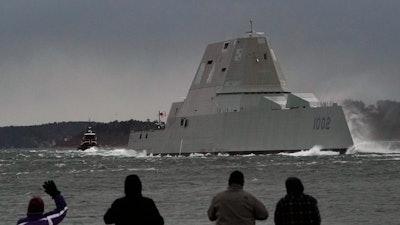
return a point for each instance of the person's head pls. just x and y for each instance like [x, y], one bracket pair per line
[294, 186]
[133, 186]
[36, 205]
[236, 177]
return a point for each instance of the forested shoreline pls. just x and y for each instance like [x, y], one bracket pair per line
[380, 122]
[69, 134]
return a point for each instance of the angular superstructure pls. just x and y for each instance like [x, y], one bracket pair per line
[238, 103]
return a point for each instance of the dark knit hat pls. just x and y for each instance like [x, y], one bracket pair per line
[36, 205]
[236, 177]
[133, 186]
[294, 186]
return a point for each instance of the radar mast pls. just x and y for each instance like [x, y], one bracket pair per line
[251, 32]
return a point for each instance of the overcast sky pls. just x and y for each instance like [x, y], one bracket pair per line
[120, 60]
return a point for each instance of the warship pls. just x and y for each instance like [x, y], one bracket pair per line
[238, 103]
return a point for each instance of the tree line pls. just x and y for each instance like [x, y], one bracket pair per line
[69, 134]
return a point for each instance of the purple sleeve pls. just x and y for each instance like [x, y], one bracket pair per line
[58, 214]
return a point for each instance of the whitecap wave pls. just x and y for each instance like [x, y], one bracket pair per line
[197, 155]
[314, 151]
[249, 155]
[118, 152]
[377, 147]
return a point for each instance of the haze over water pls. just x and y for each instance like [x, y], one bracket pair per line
[356, 188]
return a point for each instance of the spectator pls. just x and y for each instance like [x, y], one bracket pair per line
[133, 208]
[236, 206]
[35, 215]
[296, 208]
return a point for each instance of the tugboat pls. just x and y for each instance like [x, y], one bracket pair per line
[89, 139]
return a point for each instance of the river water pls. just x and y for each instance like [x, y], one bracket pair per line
[360, 187]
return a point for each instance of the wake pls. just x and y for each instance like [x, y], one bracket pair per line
[376, 147]
[314, 151]
[117, 152]
[363, 139]
[360, 147]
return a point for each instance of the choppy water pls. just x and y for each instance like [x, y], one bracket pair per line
[361, 187]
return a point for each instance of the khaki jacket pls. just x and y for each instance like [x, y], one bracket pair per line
[236, 207]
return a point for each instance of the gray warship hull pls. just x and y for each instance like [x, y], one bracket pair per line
[238, 103]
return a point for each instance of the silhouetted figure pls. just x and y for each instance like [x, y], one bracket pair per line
[35, 215]
[296, 208]
[133, 208]
[236, 206]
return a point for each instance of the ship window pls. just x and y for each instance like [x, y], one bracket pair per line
[140, 136]
[265, 56]
[209, 62]
[223, 69]
[226, 44]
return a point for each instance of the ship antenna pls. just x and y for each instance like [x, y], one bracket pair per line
[251, 29]
[251, 32]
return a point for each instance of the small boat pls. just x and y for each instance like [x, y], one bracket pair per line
[89, 139]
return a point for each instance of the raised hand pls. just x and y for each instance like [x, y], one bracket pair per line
[50, 188]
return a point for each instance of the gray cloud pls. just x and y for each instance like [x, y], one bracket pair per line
[108, 60]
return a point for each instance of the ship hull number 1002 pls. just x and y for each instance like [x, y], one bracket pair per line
[322, 123]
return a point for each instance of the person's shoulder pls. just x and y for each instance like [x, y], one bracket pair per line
[248, 194]
[119, 201]
[22, 220]
[310, 198]
[147, 199]
[221, 195]
[282, 200]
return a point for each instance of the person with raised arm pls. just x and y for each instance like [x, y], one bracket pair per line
[36, 215]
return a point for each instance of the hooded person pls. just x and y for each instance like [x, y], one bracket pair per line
[36, 205]
[133, 208]
[36, 215]
[296, 208]
[235, 206]
[133, 186]
[294, 186]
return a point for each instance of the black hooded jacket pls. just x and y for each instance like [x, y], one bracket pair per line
[133, 208]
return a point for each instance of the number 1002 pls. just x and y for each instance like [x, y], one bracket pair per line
[322, 123]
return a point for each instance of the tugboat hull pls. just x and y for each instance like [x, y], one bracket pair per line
[86, 146]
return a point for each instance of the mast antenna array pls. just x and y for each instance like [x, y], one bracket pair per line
[251, 32]
[251, 29]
